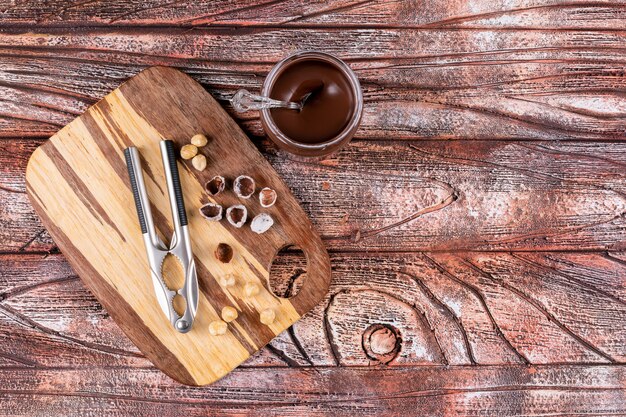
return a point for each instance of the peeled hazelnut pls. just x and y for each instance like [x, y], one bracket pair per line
[267, 197]
[224, 253]
[229, 314]
[244, 186]
[237, 215]
[267, 316]
[199, 140]
[199, 162]
[227, 280]
[215, 185]
[251, 289]
[261, 223]
[212, 212]
[217, 327]
[188, 151]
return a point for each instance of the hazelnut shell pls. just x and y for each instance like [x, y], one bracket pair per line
[212, 212]
[244, 186]
[215, 185]
[261, 223]
[237, 215]
[267, 197]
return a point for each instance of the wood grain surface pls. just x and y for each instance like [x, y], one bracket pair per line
[487, 266]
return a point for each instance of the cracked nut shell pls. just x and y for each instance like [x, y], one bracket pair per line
[267, 197]
[261, 223]
[215, 185]
[244, 186]
[211, 212]
[237, 215]
[188, 151]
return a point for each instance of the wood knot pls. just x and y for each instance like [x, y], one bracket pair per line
[381, 342]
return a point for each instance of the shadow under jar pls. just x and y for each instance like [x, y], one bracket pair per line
[332, 109]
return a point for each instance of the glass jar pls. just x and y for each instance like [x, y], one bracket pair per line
[325, 147]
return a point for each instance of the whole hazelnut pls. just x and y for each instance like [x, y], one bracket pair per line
[227, 280]
[215, 185]
[229, 314]
[188, 151]
[251, 289]
[199, 162]
[267, 316]
[224, 253]
[199, 140]
[217, 327]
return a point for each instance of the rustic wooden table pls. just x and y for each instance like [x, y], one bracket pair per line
[476, 224]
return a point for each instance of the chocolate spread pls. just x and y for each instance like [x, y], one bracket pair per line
[326, 111]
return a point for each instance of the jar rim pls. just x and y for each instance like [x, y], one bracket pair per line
[355, 120]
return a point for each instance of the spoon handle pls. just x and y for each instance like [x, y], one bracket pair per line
[243, 101]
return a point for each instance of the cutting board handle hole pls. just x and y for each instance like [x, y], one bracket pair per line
[288, 271]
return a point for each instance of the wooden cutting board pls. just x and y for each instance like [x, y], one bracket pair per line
[78, 183]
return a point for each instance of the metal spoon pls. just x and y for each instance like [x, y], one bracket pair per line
[243, 101]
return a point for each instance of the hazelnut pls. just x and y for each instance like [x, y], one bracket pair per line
[267, 197]
[217, 327]
[244, 186]
[251, 289]
[224, 253]
[261, 223]
[227, 280]
[229, 314]
[188, 151]
[199, 140]
[212, 212]
[215, 185]
[267, 316]
[199, 162]
[237, 215]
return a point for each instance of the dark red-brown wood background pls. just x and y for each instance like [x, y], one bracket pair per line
[476, 224]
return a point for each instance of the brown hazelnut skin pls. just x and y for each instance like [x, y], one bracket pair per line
[224, 253]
